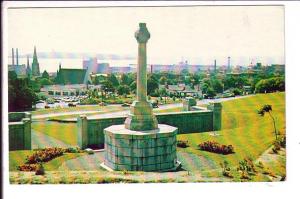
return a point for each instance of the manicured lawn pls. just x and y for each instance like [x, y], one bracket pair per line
[249, 133]
[17, 158]
[66, 132]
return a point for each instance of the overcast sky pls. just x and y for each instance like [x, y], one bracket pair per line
[197, 34]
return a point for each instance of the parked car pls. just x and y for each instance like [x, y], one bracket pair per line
[71, 105]
[102, 104]
[154, 103]
[125, 105]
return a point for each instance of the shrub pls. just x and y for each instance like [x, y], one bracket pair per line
[215, 147]
[40, 170]
[226, 169]
[276, 147]
[260, 165]
[72, 150]
[182, 143]
[247, 165]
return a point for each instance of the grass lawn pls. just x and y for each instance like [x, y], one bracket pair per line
[17, 158]
[249, 133]
[66, 132]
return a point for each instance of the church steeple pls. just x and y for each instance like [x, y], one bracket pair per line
[35, 64]
[28, 69]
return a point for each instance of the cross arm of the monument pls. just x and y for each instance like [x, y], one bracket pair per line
[142, 35]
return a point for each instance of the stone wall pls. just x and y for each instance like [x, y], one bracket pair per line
[90, 131]
[19, 131]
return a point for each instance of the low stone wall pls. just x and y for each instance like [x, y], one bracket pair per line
[19, 131]
[90, 131]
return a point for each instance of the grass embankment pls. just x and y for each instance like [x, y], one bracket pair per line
[249, 133]
[65, 132]
[17, 158]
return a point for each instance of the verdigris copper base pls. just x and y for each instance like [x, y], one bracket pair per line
[152, 150]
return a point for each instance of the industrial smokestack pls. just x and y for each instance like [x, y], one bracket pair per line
[17, 57]
[215, 65]
[13, 56]
[228, 63]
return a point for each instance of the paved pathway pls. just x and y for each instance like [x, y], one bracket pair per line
[40, 140]
[42, 116]
[86, 162]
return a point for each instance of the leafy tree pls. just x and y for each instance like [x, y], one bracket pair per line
[21, 96]
[45, 75]
[163, 93]
[184, 72]
[126, 79]
[123, 90]
[270, 85]
[45, 81]
[114, 81]
[133, 87]
[237, 91]
[217, 85]
[204, 87]
[152, 84]
[162, 80]
[268, 109]
[107, 86]
[211, 92]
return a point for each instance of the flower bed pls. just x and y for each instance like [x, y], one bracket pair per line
[44, 155]
[215, 147]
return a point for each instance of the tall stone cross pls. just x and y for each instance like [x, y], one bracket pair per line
[141, 116]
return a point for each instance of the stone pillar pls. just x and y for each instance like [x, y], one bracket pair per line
[141, 116]
[217, 115]
[82, 134]
[188, 103]
[27, 133]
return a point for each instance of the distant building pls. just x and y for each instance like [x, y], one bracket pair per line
[35, 67]
[94, 67]
[72, 76]
[68, 90]
[20, 70]
[182, 90]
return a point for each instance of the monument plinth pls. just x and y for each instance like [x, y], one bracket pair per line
[141, 144]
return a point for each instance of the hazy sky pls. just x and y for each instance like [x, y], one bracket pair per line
[197, 34]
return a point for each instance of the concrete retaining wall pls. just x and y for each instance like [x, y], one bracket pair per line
[90, 131]
[19, 131]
